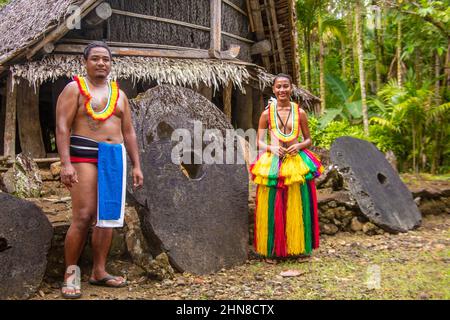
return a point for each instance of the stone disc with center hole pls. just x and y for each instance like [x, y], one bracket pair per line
[25, 239]
[197, 213]
[375, 185]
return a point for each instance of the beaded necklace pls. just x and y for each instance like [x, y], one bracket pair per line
[113, 98]
[282, 136]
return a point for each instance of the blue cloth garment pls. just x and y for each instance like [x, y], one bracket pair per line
[111, 185]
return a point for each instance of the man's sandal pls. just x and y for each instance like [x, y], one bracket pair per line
[106, 282]
[73, 283]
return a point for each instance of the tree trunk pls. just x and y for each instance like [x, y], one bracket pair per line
[353, 53]
[446, 82]
[343, 60]
[359, 44]
[418, 66]
[377, 52]
[307, 60]
[322, 68]
[413, 129]
[437, 101]
[399, 53]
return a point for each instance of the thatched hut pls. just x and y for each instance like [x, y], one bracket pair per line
[228, 50]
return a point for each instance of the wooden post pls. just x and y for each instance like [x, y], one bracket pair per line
[244, 106]
[278, 40]
[255, 13]
[216, 29]
[10, 118]
[258, 106]
[28, 121]
[227, 92]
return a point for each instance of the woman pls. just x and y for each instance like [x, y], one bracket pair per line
[286, 218]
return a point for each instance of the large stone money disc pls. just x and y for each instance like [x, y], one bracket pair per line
[199, 218]
[25, 239]
[375, 185]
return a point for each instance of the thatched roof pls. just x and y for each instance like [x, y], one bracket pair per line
[23, 22]
[184, 72]
[213, 73]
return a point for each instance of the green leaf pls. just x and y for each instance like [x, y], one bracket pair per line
[330, 115]
[354, 108]
[337, 86]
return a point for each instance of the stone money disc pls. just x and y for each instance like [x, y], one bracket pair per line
[375, 185]
[25, 239]
[196, 213]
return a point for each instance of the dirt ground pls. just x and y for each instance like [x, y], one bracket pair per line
[413, 265]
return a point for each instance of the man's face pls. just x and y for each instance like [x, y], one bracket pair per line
[98, 63]
[282, 89]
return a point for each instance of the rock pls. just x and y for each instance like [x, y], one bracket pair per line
[369, 228]
[356, 225]
[23, 178]
[46, 175]
[375, 185]
[136, 243]
[332, 204]
[55, 168]
[330, 178]
[201, 224]
[25, 240]
[159, 268]
[329, 229]
[328, 214]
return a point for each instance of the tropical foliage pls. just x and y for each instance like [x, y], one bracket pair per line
[398, 79]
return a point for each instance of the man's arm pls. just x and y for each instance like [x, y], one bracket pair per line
[66, 109]
[129, 137]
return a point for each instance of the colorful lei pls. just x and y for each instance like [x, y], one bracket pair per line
[110, 107]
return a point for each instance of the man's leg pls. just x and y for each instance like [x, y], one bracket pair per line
[84, 210]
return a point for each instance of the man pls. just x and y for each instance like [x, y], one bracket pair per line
[93, 130]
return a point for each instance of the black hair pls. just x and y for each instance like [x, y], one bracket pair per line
[282, 75]
[95, 44]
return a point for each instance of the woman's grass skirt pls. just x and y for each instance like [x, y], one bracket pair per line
[286, 216]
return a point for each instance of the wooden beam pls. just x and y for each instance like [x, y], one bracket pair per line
[128, 44]
[63, 28]
[227, 92]
[10, 118]
[158, 53]
[250, 16]
[30, 132]
[153, 18]
[235, 7]
[277, 37]
[272, 38]
[101, 13]
[255, 12]
[216, 29]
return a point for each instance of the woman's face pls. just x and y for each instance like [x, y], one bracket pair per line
[282, 89]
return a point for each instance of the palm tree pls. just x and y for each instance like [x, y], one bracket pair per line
[307, 11]
[362, 74]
